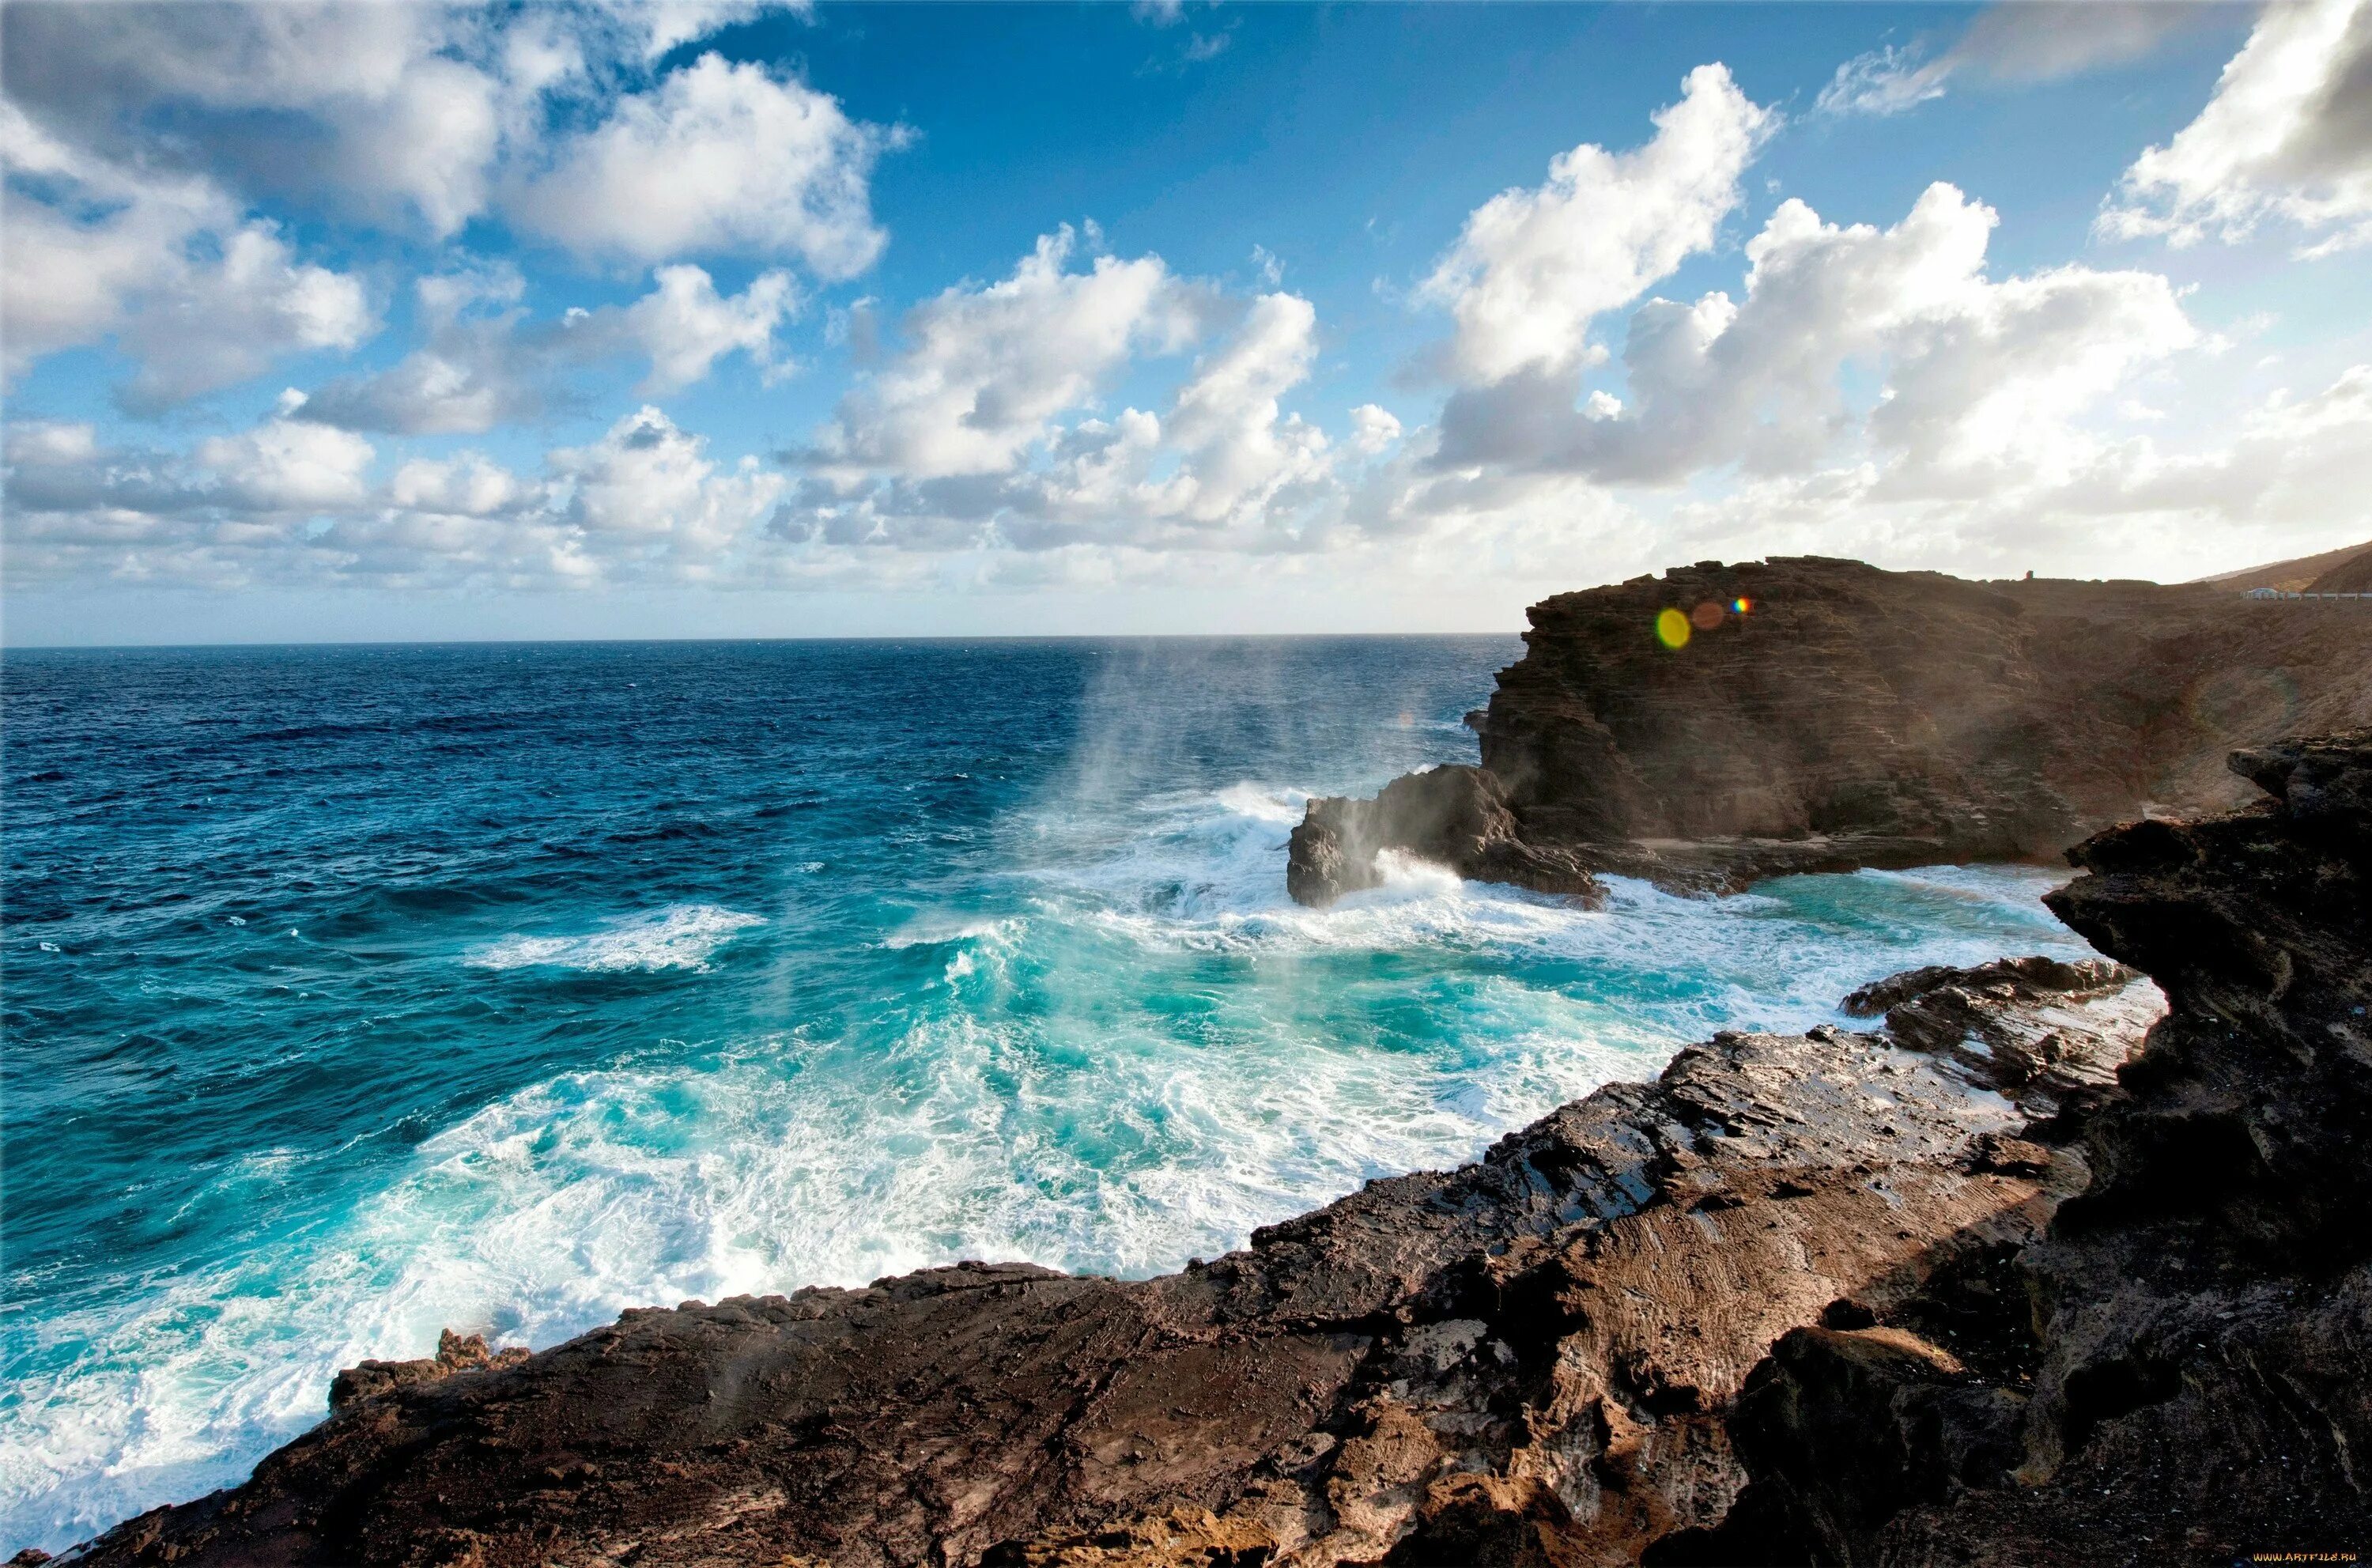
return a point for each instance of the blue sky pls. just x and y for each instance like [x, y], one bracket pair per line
[727, 320]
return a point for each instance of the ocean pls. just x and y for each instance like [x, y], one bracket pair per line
[355, 992]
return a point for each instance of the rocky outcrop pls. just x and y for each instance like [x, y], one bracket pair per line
[369, 1379]
[2197, 1322]
[1850, 717]
[1452, 816]
[1530, 1360]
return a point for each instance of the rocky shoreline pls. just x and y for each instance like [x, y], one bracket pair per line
[1442, 1364]
[1825, 715]
[1994, 1281]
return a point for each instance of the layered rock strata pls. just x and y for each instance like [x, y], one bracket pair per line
[1849, 716]
[1531, 1359]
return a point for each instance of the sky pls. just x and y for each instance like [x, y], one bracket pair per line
[361, 322]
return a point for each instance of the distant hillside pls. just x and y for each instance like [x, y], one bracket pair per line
[2352, 577]
[2306, 572]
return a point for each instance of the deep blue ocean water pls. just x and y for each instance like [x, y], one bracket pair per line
[355, 992]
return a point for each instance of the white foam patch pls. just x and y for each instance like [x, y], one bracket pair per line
[940, 929]
[680, 937]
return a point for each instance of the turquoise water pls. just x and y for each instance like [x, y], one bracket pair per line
[355, 992]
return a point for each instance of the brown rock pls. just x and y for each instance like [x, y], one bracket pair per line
[2201, 1383]
[1855, 716]
[371, 1379]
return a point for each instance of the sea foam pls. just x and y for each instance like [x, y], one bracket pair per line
[680, 937]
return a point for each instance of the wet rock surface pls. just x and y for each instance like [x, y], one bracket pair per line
[1853, 716]
[1531, 1359]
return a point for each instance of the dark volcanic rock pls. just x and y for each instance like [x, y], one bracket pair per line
[1530, 1360]
[1855, 716]
[2203, 1362]
[454, 1354]
[1453, 815]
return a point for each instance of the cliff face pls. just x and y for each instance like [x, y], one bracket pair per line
[2201, 1316]
[1528, 1360]
[1851, 717]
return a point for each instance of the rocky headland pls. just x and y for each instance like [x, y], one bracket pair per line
[1848, 717]
[2014, 1275]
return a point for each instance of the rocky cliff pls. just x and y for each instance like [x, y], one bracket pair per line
[2199, 1319]
[2000, 1281]
[1822, 715]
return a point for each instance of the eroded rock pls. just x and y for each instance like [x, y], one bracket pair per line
[1857, 717]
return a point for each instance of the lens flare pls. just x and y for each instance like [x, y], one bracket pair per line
[1672, 629]
[1707, 615]
[1742, 604]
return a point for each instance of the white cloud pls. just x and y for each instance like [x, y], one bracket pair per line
[985, 370]
[291, 501]
[287, 465]
[686, 326]
[1373, 428]
[1977, 373]
[159, 262]
[2286, 136]
[1239, 447]
[716, 159]
[484, 364]
[647, 481]
[469, 485]
[2008, 43]
[1532, 267]
[218, 324]
[666, 26]
[372, 108]
[1884, 81]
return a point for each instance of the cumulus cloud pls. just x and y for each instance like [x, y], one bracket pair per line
[1977, 373]
[200, 299]
[365, 101]
[138, 138]
[984, 371]
[485, 364]
[2288, 137]
[718, 157]
[647, 479]
[1239, 448]
[685, 326]
[388, 107]
[1373, 428]
[469, 485]
[293, 502]
[976, 432]
[285, 465]
[1533, 266]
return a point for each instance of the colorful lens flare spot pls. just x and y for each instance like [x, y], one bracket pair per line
[1741, 605]
[1672, 629]
[1707, 615]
